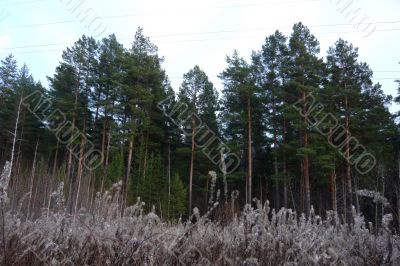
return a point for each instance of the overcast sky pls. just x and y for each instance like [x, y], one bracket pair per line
[202, 33]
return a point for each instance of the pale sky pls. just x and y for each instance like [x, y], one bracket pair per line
[202, 33]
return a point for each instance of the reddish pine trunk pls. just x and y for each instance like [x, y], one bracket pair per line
[306, 168]
[332, 182]
[275, 159]
[332, 189]
[80, 166]
[19, 153]
[55, 158]
[128, 174]
[191, 167]
[69, 164]
[250, 155]
[348, 166]
[146, 149]
[285, 179]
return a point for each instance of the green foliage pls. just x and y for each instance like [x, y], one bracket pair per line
[178, 198]
[116, 169]
[111, 94]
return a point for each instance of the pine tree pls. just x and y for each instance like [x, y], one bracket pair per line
[241, 115]
[8, 82]
[106, 94]
[200, 98]
[32, 129]
[82, 57]
[269, 64]
[346, 80]
[305, 77]
[64, 94]
[142, 88]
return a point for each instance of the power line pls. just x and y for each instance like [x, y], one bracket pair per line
[168, 41]
[33, 52]
[383, 30]
[195, 8]
[193, 40]
[267, 3]
[258, 36]
[261, 29]
[218, 7]
[22, 2]
[134, 15]
[38, 24]
[144, 14]
[37, 45]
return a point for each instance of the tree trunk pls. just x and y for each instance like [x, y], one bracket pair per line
[206, 192]
[19, 153]
[69, 165]
[356, 196]
[261, 190]
[128, 174]
[88, 194]
[80, 166]
[332, 181]
[80, 171]
[109, 127]
[275, 159]
[169, 178]
[398, 190]
[108, 147]
[30, 205]
[348, 166]
[285, 178]
[15, 137]
[250, 155]
[301, 207]
[332, 189]
[146, 151]
[140, 166]
[276, 173]
[96, 117]
[191, 166]
[103, 137]
[306, 168]
[18, 159]
[55, 159]
[285, 183]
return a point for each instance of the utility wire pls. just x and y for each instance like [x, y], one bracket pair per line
[134, 15]
[144, 14]
[193, 40]
[22, 2]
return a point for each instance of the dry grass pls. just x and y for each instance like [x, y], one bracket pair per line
[255, 236]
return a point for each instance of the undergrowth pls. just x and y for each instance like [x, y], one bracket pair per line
[257, 235]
